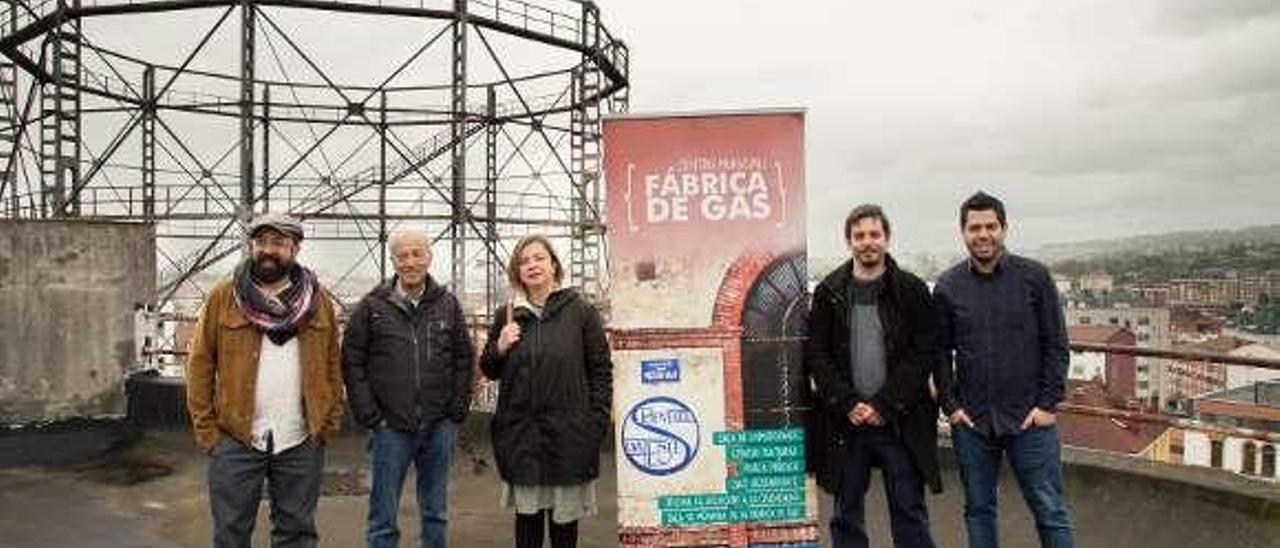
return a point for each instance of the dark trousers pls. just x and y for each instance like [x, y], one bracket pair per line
[872, 447]
[236, 474]
[529, 531]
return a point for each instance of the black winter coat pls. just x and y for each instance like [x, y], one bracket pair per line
[408, 366]
[555, 393]
[910, 326]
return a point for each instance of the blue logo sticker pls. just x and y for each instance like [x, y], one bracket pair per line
[660, 436]
[655, 371]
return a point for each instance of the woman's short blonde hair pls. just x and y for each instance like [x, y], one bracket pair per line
[513, 264]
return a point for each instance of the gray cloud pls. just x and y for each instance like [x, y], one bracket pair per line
[1205, 16]
[1093, 118]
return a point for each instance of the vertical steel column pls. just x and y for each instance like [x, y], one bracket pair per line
[575, 166]
[587, 229]
[458, 111]
[74, 74]
[266, 149]
[491, 261]
[52, 184]
[9, 118]
[382, 186]
[247, 41]
[148, 144]
[60, 116]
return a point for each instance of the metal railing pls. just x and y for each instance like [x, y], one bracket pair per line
[1194, 434]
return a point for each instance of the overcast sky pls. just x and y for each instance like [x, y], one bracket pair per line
[1091, 118]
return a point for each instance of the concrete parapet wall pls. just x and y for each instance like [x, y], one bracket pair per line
[68, 291]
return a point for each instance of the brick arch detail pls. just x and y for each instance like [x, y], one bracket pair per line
[731, 298]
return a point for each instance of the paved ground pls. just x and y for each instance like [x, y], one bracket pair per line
[153, 495]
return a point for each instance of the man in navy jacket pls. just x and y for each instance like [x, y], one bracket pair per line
[1001, 375]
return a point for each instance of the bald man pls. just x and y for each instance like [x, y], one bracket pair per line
[407, 363]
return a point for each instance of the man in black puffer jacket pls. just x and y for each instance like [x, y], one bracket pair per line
[871, 346]
[407, 361]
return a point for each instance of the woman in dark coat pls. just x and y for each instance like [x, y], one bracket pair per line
[547, 348]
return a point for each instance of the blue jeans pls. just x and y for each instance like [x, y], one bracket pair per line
[869, 447]
[293, 477]
[430, 449]
[1036, 458]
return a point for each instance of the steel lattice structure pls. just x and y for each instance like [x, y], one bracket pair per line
[485, 129]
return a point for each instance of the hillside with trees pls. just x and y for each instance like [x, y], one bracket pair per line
[1145, 266]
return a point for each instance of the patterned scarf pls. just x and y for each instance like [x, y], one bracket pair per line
[279, 317]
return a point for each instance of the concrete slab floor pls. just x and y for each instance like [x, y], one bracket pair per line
[103, 504]
[153, 495]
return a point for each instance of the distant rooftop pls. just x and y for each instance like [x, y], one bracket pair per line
[1220, 345]
[1098, 334]
[1264, 393]
[1129, 435]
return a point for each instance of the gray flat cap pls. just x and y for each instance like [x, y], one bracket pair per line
[279, 222]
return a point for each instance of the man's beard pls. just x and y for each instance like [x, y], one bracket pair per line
[876, 261]
[996, 251]
[270, 269]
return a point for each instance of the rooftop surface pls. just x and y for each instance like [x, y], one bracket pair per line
[152, 494]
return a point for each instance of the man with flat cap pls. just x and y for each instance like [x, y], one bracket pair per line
[264, 388]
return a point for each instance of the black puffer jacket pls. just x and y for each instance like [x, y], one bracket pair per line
[910, 328]
[406, 365]
[555, 393]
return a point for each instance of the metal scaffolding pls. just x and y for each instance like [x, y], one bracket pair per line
[489, 130]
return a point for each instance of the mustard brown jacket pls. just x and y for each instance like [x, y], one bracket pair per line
[222, 370]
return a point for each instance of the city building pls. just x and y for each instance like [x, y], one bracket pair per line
[1189, 379]
[1255, 406]
[1097, 281]
[1204, 292]
[1152, 295]
[1239, 376]
[1245, 452]
[1188, 325]
[1254, 287]
[1117, 372]
[1151, 328]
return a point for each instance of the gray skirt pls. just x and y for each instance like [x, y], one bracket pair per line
[567, 503]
